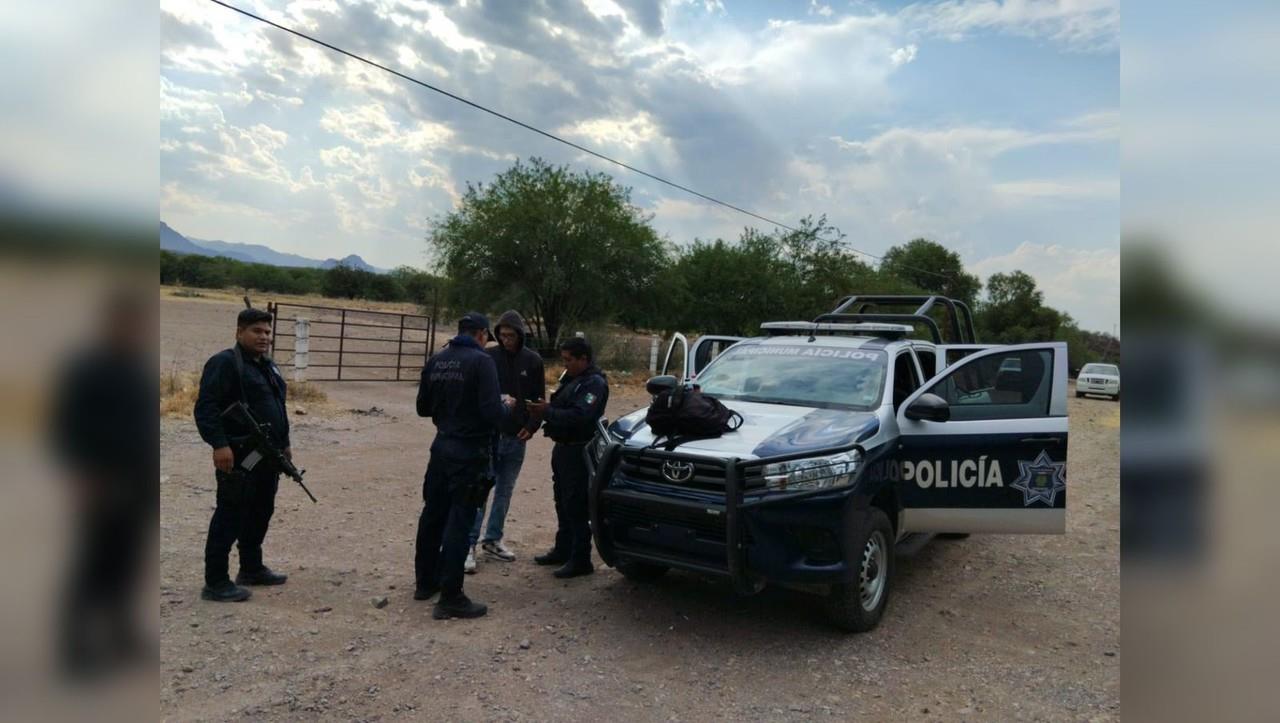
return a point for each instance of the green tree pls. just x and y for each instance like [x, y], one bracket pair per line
[569, 246]
[344, 282]
[417, 286]
[932, 268]
[1014, 312]
[729, 288]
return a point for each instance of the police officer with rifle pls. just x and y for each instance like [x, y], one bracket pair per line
[241, 414]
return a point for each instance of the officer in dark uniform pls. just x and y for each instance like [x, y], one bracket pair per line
[459, 391]
[570, 420]
[104, 428]
[246, 498]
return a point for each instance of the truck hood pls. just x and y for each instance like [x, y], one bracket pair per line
[767, 430]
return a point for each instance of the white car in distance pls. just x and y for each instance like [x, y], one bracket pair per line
[1103, 379]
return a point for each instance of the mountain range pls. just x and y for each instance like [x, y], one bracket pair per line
[171, 240]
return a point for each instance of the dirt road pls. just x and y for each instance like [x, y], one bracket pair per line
[992, 627]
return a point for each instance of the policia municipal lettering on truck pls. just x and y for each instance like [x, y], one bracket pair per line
[856, 438]
[962, 473]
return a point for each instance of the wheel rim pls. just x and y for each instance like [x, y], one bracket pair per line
[874, 573]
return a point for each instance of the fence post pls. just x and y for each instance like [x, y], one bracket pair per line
[342, 335]
[301, 348]
[400, 347]
[274, 312]
[653, 355]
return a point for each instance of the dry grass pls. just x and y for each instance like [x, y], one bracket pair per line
[178, 392]
[260, 299]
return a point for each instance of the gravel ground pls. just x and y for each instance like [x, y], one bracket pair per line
[991, 627]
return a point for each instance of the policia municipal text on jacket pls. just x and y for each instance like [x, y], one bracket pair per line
[459, 391]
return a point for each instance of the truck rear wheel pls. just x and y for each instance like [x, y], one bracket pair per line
[858, 606]
[641, 571]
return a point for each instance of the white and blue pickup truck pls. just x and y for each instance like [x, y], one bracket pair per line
[857, 438]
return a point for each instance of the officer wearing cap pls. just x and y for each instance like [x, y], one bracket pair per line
[246, 495]
[570, 420]
[459, 392]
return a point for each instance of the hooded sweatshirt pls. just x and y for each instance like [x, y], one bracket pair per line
[520, 374]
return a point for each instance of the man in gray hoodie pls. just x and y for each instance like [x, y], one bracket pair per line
[520, 375]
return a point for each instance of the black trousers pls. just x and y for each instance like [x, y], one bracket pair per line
[444, 527]
[243, 511]
[97, 616]
[573, 516]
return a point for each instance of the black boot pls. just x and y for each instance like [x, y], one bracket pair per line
[262, 576]
[225, 591]
[458, 607]
[551, 557]
[574, 569]
[425, 592]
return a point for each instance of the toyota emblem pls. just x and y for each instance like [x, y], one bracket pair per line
[677, 472]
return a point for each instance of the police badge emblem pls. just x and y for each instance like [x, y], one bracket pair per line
[1041, 479]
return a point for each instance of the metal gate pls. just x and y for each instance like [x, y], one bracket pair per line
[332, 343]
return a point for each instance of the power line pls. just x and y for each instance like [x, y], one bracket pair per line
[537, 130]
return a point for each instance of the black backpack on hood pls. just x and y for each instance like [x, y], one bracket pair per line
[681, 413]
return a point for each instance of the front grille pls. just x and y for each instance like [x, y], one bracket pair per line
[708, 474]
[624, 514]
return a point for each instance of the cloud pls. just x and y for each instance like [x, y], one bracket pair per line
[903, 55]
[1082, 25]
[786, 118]
[177, 33]
[1069, 189]
[647, 15]
[817, 8]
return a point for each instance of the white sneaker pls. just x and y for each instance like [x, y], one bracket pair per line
[495, 549]
[469, 566]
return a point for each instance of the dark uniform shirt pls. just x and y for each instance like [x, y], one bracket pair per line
[575, 407]
[459, 391]
[265, 392]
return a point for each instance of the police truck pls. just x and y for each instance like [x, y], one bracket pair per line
[866, 431]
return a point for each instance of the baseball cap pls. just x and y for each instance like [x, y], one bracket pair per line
[473, 321]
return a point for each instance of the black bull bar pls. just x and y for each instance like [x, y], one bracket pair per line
[735, 551]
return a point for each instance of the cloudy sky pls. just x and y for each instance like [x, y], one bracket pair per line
[992, 127]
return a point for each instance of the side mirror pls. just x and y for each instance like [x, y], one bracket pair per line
[657, 385]
[929, 408]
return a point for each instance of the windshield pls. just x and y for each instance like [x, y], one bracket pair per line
[1109, 369]
[807, 375]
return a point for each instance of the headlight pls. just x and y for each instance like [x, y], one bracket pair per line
[816, 473]
[598, 444]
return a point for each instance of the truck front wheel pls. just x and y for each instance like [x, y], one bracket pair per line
[858, 606]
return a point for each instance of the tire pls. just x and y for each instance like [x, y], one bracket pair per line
[1079, 395]
[1116, 397]
[641, 571]
[846, 605]
[954, 535]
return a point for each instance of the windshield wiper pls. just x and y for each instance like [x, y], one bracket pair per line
[772, 400]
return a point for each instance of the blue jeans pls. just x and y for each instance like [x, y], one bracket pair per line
[506, 467]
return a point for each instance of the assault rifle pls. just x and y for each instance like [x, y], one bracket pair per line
[259, 444]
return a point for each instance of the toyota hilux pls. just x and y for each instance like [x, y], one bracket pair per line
[858, 438]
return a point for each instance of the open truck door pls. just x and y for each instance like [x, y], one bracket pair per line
[983, 445]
